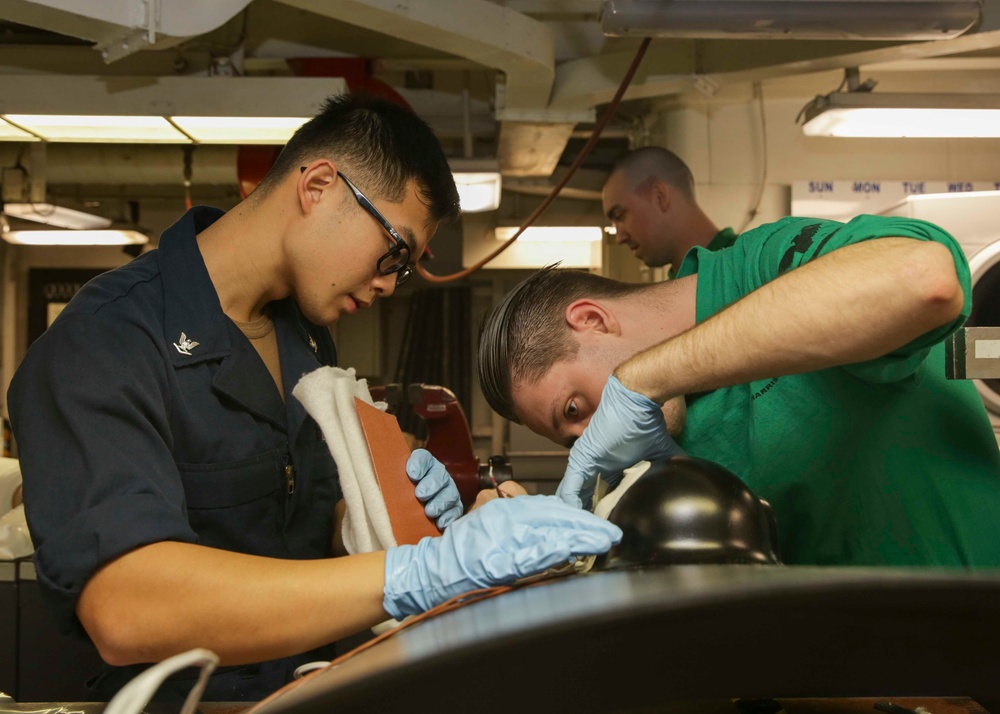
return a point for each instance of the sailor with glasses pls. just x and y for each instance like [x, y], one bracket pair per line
[177, 494]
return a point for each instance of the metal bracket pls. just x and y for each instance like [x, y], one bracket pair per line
[141, 35]
[705, 84]
[973, 353]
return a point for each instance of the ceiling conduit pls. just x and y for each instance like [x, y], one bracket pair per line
[591, 81]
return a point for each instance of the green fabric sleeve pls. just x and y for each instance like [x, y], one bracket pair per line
[765, 253]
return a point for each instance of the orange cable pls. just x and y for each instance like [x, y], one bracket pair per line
[588, 147]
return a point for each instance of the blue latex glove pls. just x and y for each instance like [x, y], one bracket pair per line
[435, 487]
[498, 543]
[626, 428]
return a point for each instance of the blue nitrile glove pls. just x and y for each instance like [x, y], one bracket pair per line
[436, 488]
[498, 543]
[626, 428]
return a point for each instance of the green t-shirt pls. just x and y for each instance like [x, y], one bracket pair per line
[723, 239]
[880, 462]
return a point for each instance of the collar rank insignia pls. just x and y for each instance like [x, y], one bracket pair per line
[184, 346]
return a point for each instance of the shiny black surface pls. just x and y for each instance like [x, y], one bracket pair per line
[689, 510]
[632, 640]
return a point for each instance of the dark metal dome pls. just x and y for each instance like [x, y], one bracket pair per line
[690, 510]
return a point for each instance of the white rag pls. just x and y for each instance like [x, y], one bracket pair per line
[604, 503]
[328, 395]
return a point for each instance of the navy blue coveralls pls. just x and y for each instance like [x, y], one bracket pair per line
[143, 415]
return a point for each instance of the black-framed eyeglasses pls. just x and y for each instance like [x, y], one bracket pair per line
[398, 258]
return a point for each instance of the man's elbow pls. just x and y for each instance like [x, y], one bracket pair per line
[939, 290]
[117, 641]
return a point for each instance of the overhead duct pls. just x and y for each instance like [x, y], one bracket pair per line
[532, 138]
[912, 20]
[122, 27]
[590, 81]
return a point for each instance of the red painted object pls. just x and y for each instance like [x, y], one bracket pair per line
[355, 71]
[252, 164]
[450, 441]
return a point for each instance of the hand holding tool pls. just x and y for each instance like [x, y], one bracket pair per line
[505, 540]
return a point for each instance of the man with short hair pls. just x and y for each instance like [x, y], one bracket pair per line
[812, 357]
[179, 496]
[649, 198]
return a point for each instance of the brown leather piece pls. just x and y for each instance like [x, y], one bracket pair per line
[389, 453]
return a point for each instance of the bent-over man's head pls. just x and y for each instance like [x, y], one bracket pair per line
[547, 349]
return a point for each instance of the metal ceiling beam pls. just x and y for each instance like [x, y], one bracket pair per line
[129, 165]
[122, 27]
[159, 96]
[478, 30]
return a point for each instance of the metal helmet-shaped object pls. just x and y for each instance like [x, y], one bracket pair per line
[688, 510]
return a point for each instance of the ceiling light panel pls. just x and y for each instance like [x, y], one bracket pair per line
[913, 123]
[478, 192]
[239, 130]
[106, 237]
[100, 129]
[9, 132]
[876, 115]
[55, 215]
[124, 109]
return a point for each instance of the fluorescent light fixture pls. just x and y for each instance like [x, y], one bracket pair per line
[140, 109]
[56, 216]
[149, 129]
[791, 19]
[100, 128]
[239, 130]
[871, 114]
[106, 237]
[553, 234]
[9, 132]
[478, 192]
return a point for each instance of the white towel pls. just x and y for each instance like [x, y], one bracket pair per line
[328, 395]
[607, 501]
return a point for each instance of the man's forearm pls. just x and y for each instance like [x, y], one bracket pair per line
[855, 304]
[169, 597]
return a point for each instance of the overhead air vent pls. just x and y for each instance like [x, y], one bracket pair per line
[791, 19]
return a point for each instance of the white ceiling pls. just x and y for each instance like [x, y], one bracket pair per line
[515, 80]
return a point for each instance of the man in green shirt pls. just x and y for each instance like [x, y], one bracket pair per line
[811, 354]
[649, 199]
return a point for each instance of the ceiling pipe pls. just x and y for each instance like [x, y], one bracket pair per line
[591, 81]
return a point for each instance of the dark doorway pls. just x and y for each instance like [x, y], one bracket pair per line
[49, 289]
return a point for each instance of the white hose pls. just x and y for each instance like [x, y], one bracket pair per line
[134, 696]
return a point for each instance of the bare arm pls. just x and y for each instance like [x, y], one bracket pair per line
[165, 598]
[855, 304]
